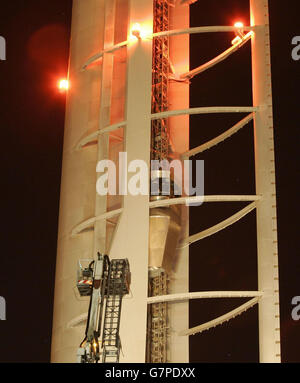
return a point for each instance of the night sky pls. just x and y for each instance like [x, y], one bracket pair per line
[32, 112]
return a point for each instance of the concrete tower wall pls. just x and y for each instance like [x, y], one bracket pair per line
[77, 201]
[116, 88]
[119, 88]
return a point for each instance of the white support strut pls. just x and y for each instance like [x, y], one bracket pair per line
[204, 110]
[80, 320]
[220, 138]
[224, 318]
[89, 223]
[221, 57]
[208, 198]
[220, 226]
[203, 295]
[93, 136]
[176, 32]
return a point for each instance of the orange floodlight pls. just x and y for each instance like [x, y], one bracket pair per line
[63, 85]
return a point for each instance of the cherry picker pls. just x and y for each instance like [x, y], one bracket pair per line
[106, 282]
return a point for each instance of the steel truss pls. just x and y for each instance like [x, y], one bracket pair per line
[157, 321]
[160, 129]
[117, 287]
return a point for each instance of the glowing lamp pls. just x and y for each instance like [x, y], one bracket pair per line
[63, 85]
[136, 30]
[239, 25]
[240, 29]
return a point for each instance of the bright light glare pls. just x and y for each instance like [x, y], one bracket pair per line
[239, 29]
[239, 24]
[63, 85]
[136, 30]
[141, 31]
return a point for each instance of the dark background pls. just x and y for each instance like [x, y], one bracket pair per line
[32, 122]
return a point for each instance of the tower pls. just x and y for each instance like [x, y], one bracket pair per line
[129, 74]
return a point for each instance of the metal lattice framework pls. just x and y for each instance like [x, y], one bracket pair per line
[160, 78]
[160, 139]
[116, 288]
[157, 321]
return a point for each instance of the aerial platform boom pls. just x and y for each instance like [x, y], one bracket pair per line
[106, 282]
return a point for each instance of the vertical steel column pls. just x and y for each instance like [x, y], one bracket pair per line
[132, 232]
[269, 323]
[105, 119]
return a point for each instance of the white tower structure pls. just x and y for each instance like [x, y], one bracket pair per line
[129, 93]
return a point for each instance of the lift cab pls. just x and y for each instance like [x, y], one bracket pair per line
[85, 279]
